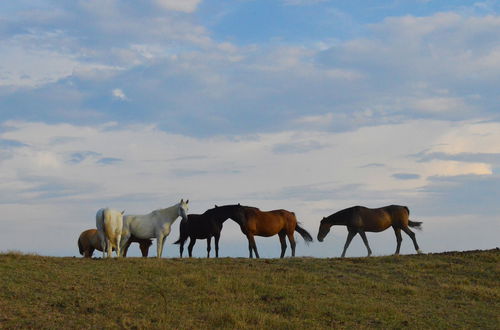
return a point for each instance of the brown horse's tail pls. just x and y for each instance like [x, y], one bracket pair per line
[80, 247]
[305, 235]
[415, 224]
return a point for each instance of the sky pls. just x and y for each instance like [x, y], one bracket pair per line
[307, 105]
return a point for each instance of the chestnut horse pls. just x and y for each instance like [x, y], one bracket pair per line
[360, 219]
[89, 241]
[260, 223]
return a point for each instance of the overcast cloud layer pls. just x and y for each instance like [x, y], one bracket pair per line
[135, 105]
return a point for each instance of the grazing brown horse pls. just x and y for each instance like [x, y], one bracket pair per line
[360, 219]
[259, 223]
[89, 241]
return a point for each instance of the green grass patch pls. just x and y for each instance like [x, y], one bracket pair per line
[449, 290]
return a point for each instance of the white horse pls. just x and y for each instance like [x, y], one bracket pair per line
[154, 225]
[109, 225]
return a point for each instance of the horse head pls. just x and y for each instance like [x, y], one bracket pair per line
[324, 229]
[183, 209]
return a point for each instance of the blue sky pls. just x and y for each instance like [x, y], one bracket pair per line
[307, 105]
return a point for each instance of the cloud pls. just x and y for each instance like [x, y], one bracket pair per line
[187, 6]
[298, 147]
[109, 160]
[302, 2]
[406, 176]
[119, 94]
[79, 157]
[146, 168]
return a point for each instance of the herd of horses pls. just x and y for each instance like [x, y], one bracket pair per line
[116, 231]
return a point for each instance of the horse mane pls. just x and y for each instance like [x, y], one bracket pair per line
[167, 209]
[340, 215]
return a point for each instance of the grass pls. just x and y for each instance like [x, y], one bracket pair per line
[448, 290]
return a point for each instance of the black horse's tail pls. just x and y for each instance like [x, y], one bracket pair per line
[183, 234]
[415, 224]
[305, 235]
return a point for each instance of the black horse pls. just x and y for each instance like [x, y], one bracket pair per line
[206, 226]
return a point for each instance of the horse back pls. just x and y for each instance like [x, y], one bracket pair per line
[379, 219]
[141, 226]
[269, 223]
[88, 240]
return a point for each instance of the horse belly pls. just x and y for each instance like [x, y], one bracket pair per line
[267, 230]
[95, 242]
[377, 226]
[142, 230]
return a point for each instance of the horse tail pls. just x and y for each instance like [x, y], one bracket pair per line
[183, 233]
[415, 224]
[80, 246]
[305, 235]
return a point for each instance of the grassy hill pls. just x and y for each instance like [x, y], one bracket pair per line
[448, 290]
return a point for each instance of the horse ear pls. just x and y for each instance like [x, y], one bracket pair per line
[216, 205]
[123, 212]
[187, 201]
[182, 200]
[239, 204]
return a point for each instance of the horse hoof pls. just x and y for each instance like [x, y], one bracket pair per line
[419, 251]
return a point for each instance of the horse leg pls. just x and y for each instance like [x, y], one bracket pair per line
[144, 249]
[365, 240]
[125, 243]
[291, 238]
[159, 245]
[282, 237]
[102, 241]
[110, 248]
[399, 239]
[252, 246]
[350, 236]
[412, 236]
[181, 247]
[118, 249]
[192, 242]
[88, 253]
[162, 245]
[217, 237]
[208, 246]
[125, 248]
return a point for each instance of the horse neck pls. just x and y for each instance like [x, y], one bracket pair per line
[222, 216]
[169, 214]
[335, 220]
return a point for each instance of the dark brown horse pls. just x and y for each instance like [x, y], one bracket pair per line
[259, 223]
[88, 242]
[360, 219]
[206, 226]
[144, 244]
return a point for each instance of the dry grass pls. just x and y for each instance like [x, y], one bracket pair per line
[450, 290]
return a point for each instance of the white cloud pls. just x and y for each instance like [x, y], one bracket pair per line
[318, 120]
[311, 173]
[119, 94]
[187, 6]
[302, 2]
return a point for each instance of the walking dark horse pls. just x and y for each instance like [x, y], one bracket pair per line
[260, 223]
[206, 226]
[360, 219]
